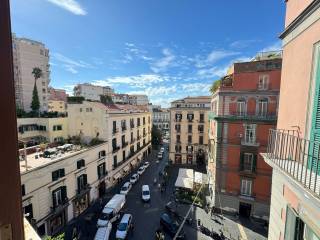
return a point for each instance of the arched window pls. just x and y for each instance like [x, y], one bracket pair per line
[262, 107]
[241, 107]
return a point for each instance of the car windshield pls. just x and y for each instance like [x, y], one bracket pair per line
[145, 193]
[124, 188]
[122, 226]
[133, 178]
[105, 216]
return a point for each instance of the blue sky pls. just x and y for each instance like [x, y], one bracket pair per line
[167, 49]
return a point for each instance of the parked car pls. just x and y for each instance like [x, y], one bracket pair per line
[146, 164]
[141, 170]
[124, 226]
[145, 193]
[134, 178]
[170, 226]
[162, 149]
[125, 188]
[111, 211]
[103, 233]
[160, 155]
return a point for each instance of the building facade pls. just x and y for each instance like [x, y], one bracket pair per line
[120, 98]
[92, 92]
[161, 118]
[126, 128]
[293, 148]
[57, 189]
[33, 131]
[57, 100]
[29, 54]
[243, 109]
[189, 130]
[135, 99]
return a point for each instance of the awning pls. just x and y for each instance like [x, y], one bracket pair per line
[185, 173]
[184, 183]
[200, 178]
[117, 175]
[126, 168]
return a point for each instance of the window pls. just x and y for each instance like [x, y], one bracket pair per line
[80, 109]
[114, 126]
[57, 127]
[246, 187]
[101, 169]
[138, 122]
[123, 156]
[201, 140]
[201, 117]
[189, 139]
[123, 140]
[82, 182]
[262, 107]
[263, 82]
[178, 139]
[241, 107]
[80, 163]
[131, 137]
[248, 162]
[58, 174]
[250, 133]
[123, 125]
[189, 128]
[200, 128]
[144, 120]
[190, 117]
[189, 149]
[178, 127]
[178, 117]
[149, 119]
[178, 148]
[23, 190]
[59, 196]
[102, 154]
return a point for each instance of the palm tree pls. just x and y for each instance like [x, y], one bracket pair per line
[35, 104]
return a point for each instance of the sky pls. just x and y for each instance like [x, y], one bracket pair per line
[167, 49]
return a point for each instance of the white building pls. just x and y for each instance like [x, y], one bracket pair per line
[161, 118]
[57, 188]
[28, 54]
[120, 98]
[91, 92]
[136, 99]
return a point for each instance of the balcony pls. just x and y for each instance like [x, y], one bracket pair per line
[115, 149]
[190, 120]
[131, 126]
[144, 134]
[83, 190]
[250, 142]
[115, 130]
[297, 157]
[132, 140]
[62, 205]
[123, 129]
[138, 138]
[253, 116]
[247, 169]
[124, 144]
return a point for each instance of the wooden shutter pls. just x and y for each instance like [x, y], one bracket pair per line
[104, 168]
[54, 199]
[55, 175]
[85, 180]
[79, 164]
[64, 193]
[61, 172]
[78, 182]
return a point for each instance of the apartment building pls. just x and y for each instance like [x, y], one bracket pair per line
[28, 54]
[138, 99]
[57, 100]
[91, 92]
[243, 109]
[189, 130]
[58, 184]
[293, 148]
[120, 98]
[161, 118]
[33, 131]
[126, 128]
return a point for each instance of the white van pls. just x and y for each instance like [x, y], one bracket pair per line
[111, 211]
[103, 233]
[145, 193]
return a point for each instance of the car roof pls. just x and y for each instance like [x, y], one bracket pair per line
[134, 175]
[145, 187]
[166, 218]
[126, 217]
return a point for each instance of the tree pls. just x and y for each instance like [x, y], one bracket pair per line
[155, 135]
[35, 104]
[215, 85]
[105, 99]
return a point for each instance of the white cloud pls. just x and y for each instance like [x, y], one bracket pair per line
[163, 63]
[213, 57]
[156, 91]
[70, 64]
[243, 43]
[196, 87]
[70, 5]
[212, 72]
[276, 46]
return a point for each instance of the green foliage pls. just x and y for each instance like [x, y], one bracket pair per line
[155, 135]
[74, 99]
[74, 140]
[95, 141]
[20, 112]
[105, 99]
[37, 73]
[35, 104]
[215, 85]
[59, 237]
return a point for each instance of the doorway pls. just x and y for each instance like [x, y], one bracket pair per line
[244, 209]
[102, 189]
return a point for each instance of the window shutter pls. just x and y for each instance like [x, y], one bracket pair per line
[104, 168]
[85, 180]
[98, 172]
[241, 161]
[62, 173]
[54, 176]
[79, 164]
[254, 164]
[54, 199]
[78, 182]
[64, 193]
[291, 223]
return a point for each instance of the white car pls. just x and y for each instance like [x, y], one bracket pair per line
[134, 178]
[146, 164]
[124, 226]
[145, 193]
[162, 149]
[125, 188]
[141, 170]
[160, 155]
[103, 233]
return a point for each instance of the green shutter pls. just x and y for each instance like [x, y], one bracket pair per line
[85, 179]
[254, 164]
[291, 225]
[241, 161]
[53, 199]
[64, 193]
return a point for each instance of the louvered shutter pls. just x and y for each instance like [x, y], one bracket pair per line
[85, 180]
[64, 193]
[54, 199]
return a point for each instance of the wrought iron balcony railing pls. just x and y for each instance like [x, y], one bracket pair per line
[115, 149]
[265, 116]
[296, 156]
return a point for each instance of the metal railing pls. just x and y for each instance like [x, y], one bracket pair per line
[298, 157]
[265, 116]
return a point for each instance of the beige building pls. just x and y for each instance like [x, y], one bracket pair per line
[33, 131]
[189, 130]
[92, 92]
[28, 54]
[293, 148]
[58, 186]
[136, 99]
[126, 128]
[161, 118]
[57, 100]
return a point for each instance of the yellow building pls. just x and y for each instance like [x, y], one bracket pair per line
[56, 106]
[189, 130]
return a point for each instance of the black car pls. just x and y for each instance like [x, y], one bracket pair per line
[170, 226]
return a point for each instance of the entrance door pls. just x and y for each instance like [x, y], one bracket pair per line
[244, 209]
[102, 188]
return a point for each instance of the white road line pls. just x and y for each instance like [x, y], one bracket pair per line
[242, 232]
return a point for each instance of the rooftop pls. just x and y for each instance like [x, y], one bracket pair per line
[194, 99]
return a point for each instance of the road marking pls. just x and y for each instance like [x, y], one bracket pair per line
[242, 232]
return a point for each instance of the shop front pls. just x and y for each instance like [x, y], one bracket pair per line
[177, 159]
[102, 188]
[189, 158]
[57, 221]
[81, 202]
